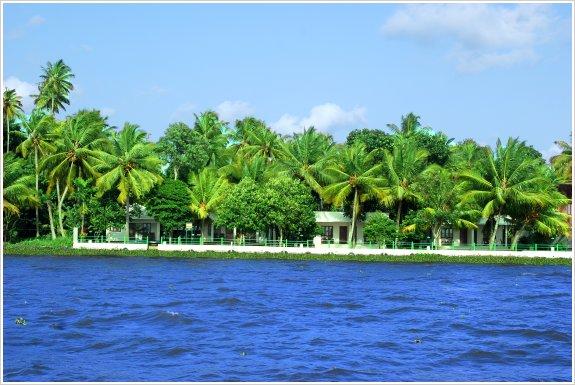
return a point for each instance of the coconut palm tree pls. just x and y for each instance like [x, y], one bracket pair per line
[441, 204]
[256, 168]
[547, 220]
[207, 192]
[401, 170]
[38, 130]
[409, 125]
[305, 155]
[212, 130]
[353, 175]
[78, 154]
[510, 176]
[11, 106]
[261, 141]
[55, 87]
[563, 162]
[132, 167]
[17, 191]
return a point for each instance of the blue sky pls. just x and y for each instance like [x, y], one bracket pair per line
[469, 70]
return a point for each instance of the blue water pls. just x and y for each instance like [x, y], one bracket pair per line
[145, 319]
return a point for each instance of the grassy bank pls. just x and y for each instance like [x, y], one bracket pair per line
[64, 248]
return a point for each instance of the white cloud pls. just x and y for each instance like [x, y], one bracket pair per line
[36, 20]
[480, 35]
[323, 117]
[23, 89]
[229, 111]
[107, 111]
[183, 110]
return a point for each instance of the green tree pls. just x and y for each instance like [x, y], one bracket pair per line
[55, 87]
[17, 185]
[262, 142]
[409, 125]
[305, 155]
[401, 170]
[289, 207]
[132, 167]
[354, 176]
[563, 162]
[183, 150]
[78, 154]
[509, 176]
[168, 204]
[373, 140]
[465, 156]
[441, 204]
[257, 168]
[379, 228]
[207, 192]
[38, 129]
[11, 107]
[243, 208]
[212, 131]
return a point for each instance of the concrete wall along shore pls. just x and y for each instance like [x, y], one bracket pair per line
[318, 249]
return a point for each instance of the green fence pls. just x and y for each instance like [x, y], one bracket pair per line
[399, 245]
[235, 242]
[112, 239]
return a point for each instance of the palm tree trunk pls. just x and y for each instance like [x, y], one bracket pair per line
[175, 173]
[354, 216]
[7, 134]
[494, 231]
[281, 235]
[128, 216]
[436, 230]
[60, 213]
[516, 237]
[37, 191]
[51, 217]
[202, 230]
[398, 217]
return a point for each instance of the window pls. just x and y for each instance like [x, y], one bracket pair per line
[327, 233]
[447, 233]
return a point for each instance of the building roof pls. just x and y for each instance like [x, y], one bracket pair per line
[331, 216]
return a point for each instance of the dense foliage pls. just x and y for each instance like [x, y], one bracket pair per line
[79, 171]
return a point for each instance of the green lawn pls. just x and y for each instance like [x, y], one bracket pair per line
[62, 247]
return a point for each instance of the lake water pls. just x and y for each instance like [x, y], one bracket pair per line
[161, 319]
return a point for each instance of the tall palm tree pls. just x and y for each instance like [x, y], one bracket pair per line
[207, 192]
[441, 204]
[305, 155]
[261, 141]
[509, 177]
[11, 106]
[78, 154]
[55, 87]
[213, 131]
[353, 176]
[38, 129]
[547, 220]
[401, 170]
[563, 162]
[409, 125]
[256, 168]
[132, 167]
[17, 190]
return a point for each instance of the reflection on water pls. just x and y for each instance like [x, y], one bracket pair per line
[144, 319]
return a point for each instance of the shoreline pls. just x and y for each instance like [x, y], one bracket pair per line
[29, 250]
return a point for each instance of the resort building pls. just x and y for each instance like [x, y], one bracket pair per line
[335, 229]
